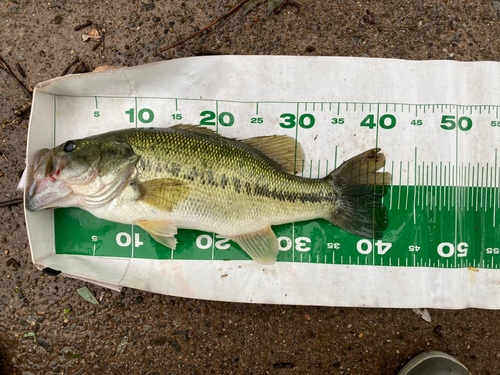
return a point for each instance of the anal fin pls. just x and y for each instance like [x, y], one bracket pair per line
[162, 231]
[262, 246]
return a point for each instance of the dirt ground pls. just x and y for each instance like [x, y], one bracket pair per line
[133, 332]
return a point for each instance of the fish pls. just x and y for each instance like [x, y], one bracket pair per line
[189, 176]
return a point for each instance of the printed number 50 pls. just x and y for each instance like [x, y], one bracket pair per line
[449, 123]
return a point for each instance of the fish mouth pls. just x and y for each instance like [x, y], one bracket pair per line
[47, 191]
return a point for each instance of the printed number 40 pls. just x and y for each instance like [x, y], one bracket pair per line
[365, 247]
[387, 121]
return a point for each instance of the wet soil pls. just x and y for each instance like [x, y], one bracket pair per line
[133, 332]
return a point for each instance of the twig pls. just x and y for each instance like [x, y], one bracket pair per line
[11, 203]
[102, 33]
[4, 66]
[20, 70]
[5, 156]
[83, 25]
[205, 28]
[66, 70]
[97, 45]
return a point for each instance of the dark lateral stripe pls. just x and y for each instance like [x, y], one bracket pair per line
[237, 184]
[264, 191]
[173, 169]
[207, 177]
[223, 181]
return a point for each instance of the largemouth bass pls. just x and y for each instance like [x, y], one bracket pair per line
[191, 177]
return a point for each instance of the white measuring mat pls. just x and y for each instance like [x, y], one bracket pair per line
[437, 122]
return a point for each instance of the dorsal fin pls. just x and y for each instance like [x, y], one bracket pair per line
[287, 152]
[197, 129]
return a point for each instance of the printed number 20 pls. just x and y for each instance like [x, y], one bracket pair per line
[225, 118]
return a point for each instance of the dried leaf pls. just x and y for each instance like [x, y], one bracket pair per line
[424, 314]
[251, 5]
[92, 34]
[102, 68]
[87, 295]
[272, 5]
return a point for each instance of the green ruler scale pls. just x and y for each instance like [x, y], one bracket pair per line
[444, 200]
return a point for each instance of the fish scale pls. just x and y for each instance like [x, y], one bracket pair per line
[217, 159]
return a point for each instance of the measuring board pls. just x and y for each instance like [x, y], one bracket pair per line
[443, 204]
[441, 146]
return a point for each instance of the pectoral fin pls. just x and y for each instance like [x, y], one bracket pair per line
[162, 231]
[163, 193]
[262, 246]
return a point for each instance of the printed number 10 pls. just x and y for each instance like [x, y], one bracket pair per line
[144, 115]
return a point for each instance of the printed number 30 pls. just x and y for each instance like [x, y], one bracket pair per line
[306, 121]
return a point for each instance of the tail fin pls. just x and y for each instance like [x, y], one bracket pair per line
[360, 210]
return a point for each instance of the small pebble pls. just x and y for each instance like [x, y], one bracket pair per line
[44, 343]
[123, 345]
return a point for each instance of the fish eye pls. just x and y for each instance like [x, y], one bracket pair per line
[69, 146]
